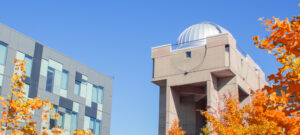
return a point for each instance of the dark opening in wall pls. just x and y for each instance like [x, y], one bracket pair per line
[227, 48]
[188, 54]
[242, 94]
[153, 66]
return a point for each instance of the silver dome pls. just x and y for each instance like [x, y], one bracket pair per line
[196, 34]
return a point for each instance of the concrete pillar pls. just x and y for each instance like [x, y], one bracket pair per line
[212, 94]
[169, 106]
[162, 110]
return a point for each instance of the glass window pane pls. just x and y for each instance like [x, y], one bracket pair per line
[53, 122]
[50, 79]
[83, 88]
[28, 65]
[92, 125]
[95, 94]
[57, 81]
[97, 127]
[100, 95]
[54, 111]
[1, 79]
[77, 88]
[64, 80]
[67, 121]
[26, 89]
[74, 122]
[3, 50]
[60, 121]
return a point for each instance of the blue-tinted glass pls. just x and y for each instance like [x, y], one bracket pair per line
[52, 121]
[3, 50]
[28, 65]
[95, 94]
[77, 88]
[100, 95]
[188, 54]
[50, 79]
[74, 119]
[68, 119]
[26, 89]
[97, 127]
[92, 125]
[64, 79]
[60, 121]
[54, 111]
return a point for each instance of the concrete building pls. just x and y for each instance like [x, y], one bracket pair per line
[202, 67]
[80, 94]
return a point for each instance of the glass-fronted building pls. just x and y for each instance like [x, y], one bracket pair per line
[81, 95]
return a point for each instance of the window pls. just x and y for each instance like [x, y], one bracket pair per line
[26, 89]
[242, 94]
[3, 50]
[95, 126]
[94, 94]
[60, 121]
[227, 48]
[100, 95]
[52, 121]
[97, 94]
[188, 54]
[57, 81]
[70, 121]
[80, 88]
[77, 88]
[56, 123]
[1, 79]
[64, 79]
[28, 65]
[50, 79]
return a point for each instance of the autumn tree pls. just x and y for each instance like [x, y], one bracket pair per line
[275, 109]
[17, 109]
[176, 129]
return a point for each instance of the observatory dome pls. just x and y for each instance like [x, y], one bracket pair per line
[196, 34]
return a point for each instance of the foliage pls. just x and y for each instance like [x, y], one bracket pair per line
[284, 43]
[206, 130]
[17, 109]
[275, 108]
[260, 117]
[176, 129]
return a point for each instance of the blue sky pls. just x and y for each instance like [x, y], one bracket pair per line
[115, 37]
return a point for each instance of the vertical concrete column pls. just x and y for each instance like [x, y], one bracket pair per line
[168, 108]
[173, 104]
[162, 110]
[212, 94]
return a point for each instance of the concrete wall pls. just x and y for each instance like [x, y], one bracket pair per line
[224, 71]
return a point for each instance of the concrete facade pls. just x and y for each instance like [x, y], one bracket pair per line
[44, 57]
[192, 78]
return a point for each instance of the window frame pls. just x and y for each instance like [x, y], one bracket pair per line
[5, 55]
[95, 121]
[98, 89]
[64, 71]
[188, 54]
[52, 83]
[26, 65]
[79, 88]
